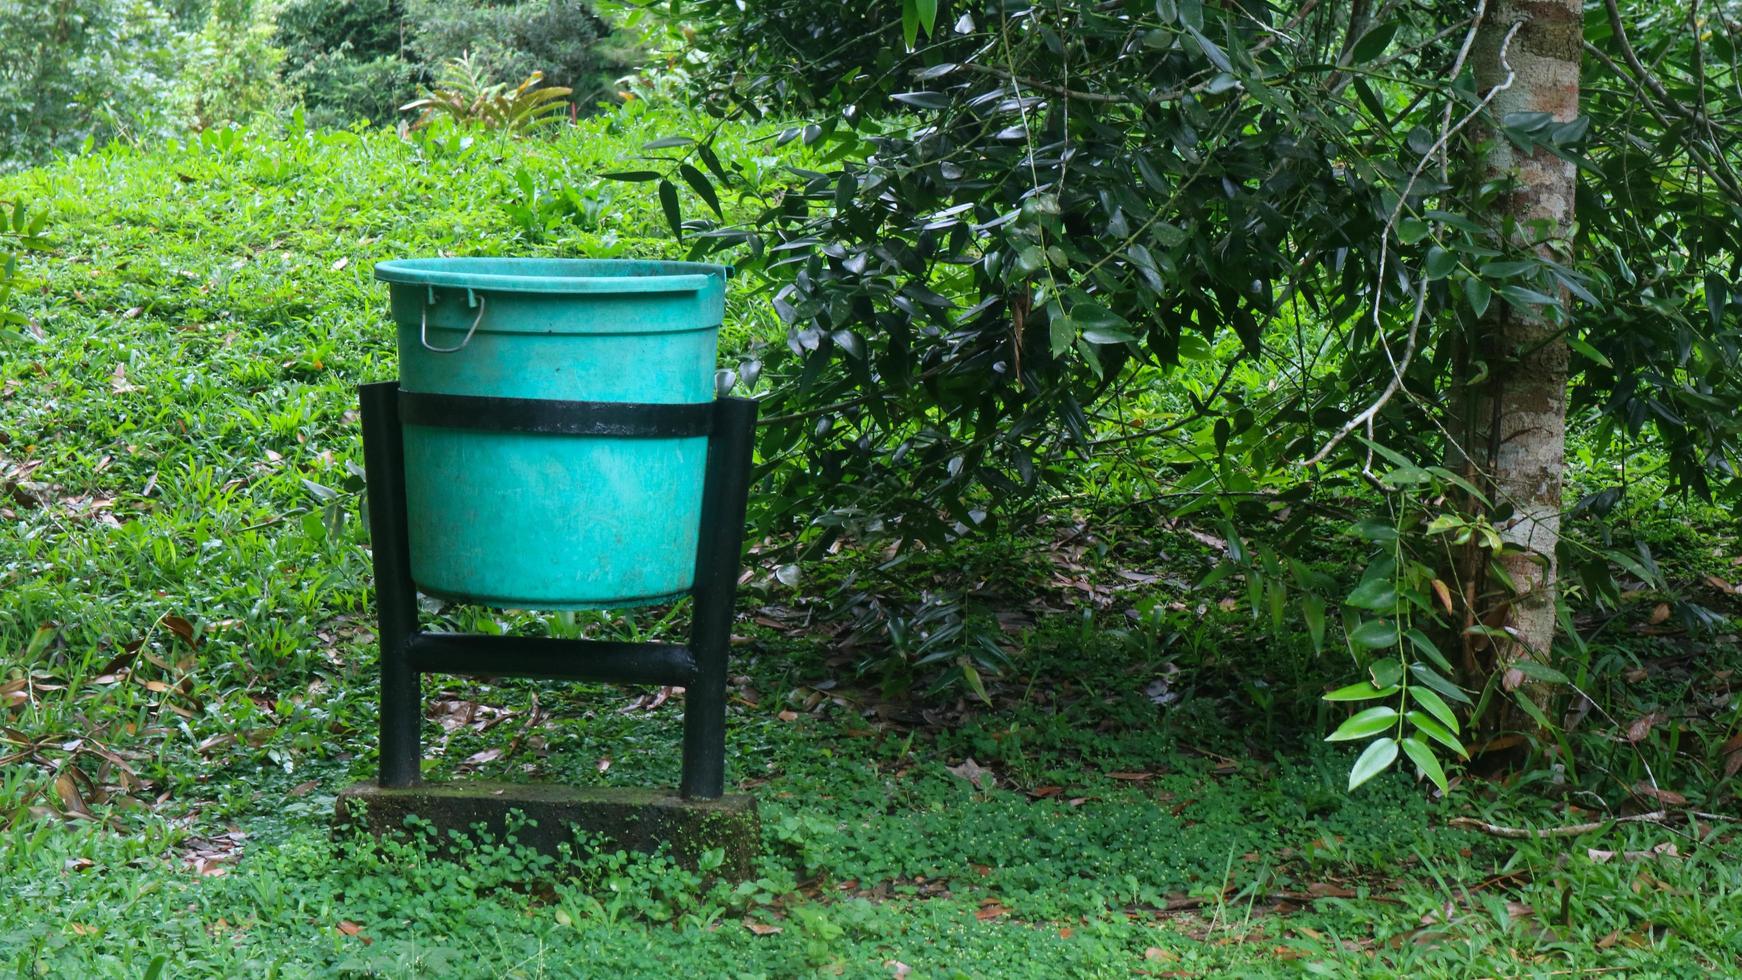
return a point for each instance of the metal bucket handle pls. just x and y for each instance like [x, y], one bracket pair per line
[472, 299]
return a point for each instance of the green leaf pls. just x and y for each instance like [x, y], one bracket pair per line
[1590, 353]
[909, 23]
[712, 162]
[1440, 263]
[1217, 56]
[1372, 529]
[927, 12]
[1541, 672]
[1061, 333]
[1375, 41]
[1385, 673]
[1530, 708]
[1378, 757]
[1360, 691]
[1423, 757]
[1521, 296]
[1411, 230]
[1374, 634]
[1436, 706]
[1364, 724]
[1312, 609]
[699, 183]
[1507, 269]
[1436, 731]
[1426, 675]
[1104, 335]
[668, 202]
[631, 175]
[1427, 648]
[1478, 294]
[1378, 594]
[971, 676]
[1100, 325]
[667, 142]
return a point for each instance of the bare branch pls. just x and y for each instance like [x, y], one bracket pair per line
[1572, 830]
[1399, 365]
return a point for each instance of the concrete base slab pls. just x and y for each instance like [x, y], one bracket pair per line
[631, 819]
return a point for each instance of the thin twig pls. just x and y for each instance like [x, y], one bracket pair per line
[1366, 417]
[1571, 830]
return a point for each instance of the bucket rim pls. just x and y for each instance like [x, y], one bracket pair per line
[545, 275]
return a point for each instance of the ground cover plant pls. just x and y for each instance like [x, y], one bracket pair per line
[1062, 746]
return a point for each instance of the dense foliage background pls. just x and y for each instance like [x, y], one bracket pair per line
[95, 70]
[1119, 363]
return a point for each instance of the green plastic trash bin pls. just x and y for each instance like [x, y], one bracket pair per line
[554, 521]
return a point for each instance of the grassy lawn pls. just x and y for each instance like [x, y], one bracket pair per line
[186, 642]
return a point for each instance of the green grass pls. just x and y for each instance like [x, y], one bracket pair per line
[186, 639]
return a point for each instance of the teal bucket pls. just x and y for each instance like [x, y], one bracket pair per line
[540, 521]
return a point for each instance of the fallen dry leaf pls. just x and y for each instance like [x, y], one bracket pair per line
[118, 382]
[1665, 849]
[1445, 595]
[788, 715]
[1659, 613]
[350, 928]
[1645, 790]
[67, 789]
[974, 773]
[761, 928]
[180, 627]
[897, 969]
[1642, 726]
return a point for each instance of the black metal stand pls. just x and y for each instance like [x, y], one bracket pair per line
[407, 652]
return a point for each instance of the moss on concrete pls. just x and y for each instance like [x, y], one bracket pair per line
[629, 818]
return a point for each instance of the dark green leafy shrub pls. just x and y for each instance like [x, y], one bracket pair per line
[562, 38]
[791, 53]
[345, 58]
[78, 69]
[338, 89]
[365, 29]
[231, 70]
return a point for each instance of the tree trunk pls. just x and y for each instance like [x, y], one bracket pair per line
[1516, 431]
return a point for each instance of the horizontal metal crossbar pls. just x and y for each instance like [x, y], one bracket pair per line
[530, 656]
[629, 420]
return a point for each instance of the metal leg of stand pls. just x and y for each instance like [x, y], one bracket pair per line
[725, 489]
[395, 595]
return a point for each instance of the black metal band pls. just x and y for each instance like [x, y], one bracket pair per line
[630, 420]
